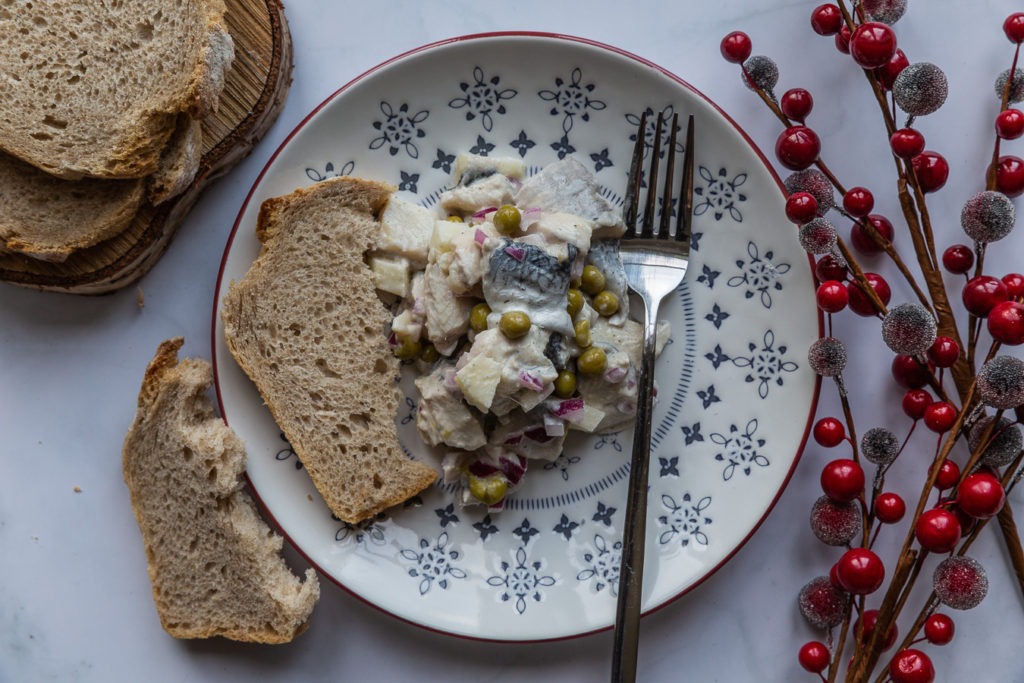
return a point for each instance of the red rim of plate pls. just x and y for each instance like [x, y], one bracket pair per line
[430, 46]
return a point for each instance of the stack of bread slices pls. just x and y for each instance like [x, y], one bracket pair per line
[102, 111]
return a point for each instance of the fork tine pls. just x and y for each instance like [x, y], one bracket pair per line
[647, 229]
[684, 221]
[666, 195]
[630, 202]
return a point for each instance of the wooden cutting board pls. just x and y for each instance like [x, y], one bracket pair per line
[254, 94]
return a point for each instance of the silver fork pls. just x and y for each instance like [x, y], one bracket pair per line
[655, 263]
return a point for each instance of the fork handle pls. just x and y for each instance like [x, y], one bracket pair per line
[631, 571]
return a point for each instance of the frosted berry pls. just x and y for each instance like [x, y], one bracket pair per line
[814, 657]
[937, 530]
[939, 629]
[1010, 124]
[906, 143]
[832, 296]
[822, 604]
[889, 508]
[842, 480]
[940, 417]
[908, 372]
[908, 328]
[865, 627]
[1010, 175]
[797, 147]
[827, 356]
[958, 259]
[981, 495]
[911, 666]
[872, 44]
[960, 582]
[944, 352]
[829, 432]
[1006, 323]
[736, 47]
[1013, 27]
[914, 403]
[1003, 445]
[886, 11]
[860, 571]
[859, 301]
[887, 73]
[816, 184]
[920, 89]
[932, 170]
[1016, 93]
[835, 523]
[1014, 285]
[826, 20]
[858, 201]
[987, 216]
[818, 237]
[981, 294]
[829, 267]
[796, 103]
[801, 207]
[1000, 382]
[879, 445]
[947, 476]
[760, 72]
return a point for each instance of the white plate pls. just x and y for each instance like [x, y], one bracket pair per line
[735, 393]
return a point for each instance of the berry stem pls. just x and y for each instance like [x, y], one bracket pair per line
[1008, 527]
[990, 174]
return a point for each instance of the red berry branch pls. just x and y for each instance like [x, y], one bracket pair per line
[975, 423]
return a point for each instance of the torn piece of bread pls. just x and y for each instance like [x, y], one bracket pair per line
[215, 565]
[95, 88]
[307, 326]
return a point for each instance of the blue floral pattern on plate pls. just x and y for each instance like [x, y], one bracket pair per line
[734, 393]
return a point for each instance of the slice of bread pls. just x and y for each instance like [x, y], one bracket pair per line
[215, 565]
[95, 88]
[306, 325]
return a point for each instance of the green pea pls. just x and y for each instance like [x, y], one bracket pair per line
[593, 280]
[575, 305]
[478, 317]
[606, 303]
[507, 219]
[407, 348]
[514, 324]
[455, 218]
[565, 384]
[592, 361]
[429, 353]
[582, 331]
[488, 490]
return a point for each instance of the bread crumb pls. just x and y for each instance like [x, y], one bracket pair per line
[77, 489]
[140, 298]
[309, 497]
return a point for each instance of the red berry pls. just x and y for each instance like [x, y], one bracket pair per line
[858, 201]
[1013, 27]
[1014, 285]
[940, 416]
[1006, 323]
[932, 170]
[843, 40]
[888, 72]
[911, 666]
[937, 530]
[872, 44]
[948, 476]
[1010, 175]
[862, 240]
[868, 621]
[944, 352]
[829, 432]
[801, 207]
[736, 47]
[981, 294]
[914, 403]
[859, 301]
[889, 508]
[797, 147]
[826, 20]
[908, 373]
[906, 143]
[814, 657]
[842, 480]
[958, 259]
[796, 103]
[981, 495]
[1010, 124]
[939, 629]
[832, 296]
[828, 268]
[860, 571]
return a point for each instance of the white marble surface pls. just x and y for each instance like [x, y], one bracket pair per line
[75, 600]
